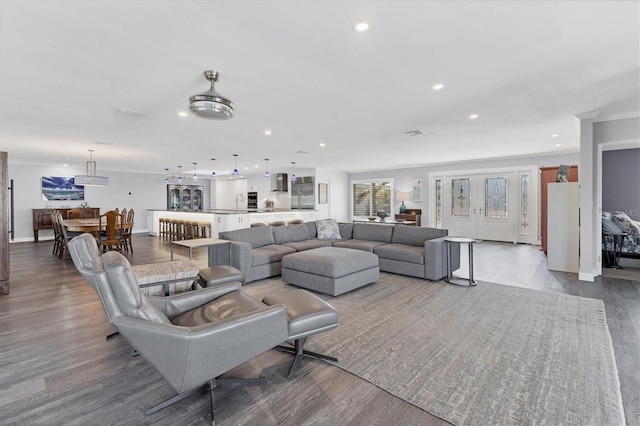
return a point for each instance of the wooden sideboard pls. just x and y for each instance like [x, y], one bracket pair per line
[411, 214]
[547, 175]
[42, 217]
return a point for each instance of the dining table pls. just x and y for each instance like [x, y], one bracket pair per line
[91, 225]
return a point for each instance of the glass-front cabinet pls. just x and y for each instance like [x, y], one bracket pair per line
[185, 197]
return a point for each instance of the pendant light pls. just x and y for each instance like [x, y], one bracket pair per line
[235, 168]
[266, 173]
[213, 172]
[179, 174]
[195, 176]
[166, 176]
[90, 179]
[293, 170]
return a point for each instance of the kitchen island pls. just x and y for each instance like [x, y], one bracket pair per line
[228, 219]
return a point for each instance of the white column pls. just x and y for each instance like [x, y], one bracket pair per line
[586, 177]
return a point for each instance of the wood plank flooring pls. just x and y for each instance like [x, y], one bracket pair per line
[57, 369]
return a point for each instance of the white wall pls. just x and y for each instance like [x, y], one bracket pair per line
[136, 191]
[337, 206]
[402, 177]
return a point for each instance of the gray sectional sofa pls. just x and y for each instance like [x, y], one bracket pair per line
[407, 250]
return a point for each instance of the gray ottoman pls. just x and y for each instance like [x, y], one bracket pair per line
[216, 275]
[330, 270]
[307, 314]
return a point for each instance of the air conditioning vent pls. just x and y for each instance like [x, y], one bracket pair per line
[414, 132]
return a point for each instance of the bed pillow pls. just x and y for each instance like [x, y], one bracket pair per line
[328, 229]
[608, 225]
[625, 223]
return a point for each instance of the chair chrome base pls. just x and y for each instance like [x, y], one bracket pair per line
[300, 352]
[210, 385]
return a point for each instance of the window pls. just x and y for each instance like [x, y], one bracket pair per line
[370, 196]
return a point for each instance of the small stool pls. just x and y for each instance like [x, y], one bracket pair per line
[221, 274]
[307, 315]
[278, 223]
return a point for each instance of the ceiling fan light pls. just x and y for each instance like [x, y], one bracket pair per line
[211, 104]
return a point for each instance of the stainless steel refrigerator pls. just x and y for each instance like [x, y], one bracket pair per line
[302, 193]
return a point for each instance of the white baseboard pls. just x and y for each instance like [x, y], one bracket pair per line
[583, 276]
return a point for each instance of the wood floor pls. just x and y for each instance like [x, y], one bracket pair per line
[57, 369]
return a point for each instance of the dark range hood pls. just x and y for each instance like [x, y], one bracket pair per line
[282, 183]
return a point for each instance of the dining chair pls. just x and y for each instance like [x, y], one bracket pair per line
[111, 231]
[127, 228]
[74, 213]
[63, 238]
[56, 233]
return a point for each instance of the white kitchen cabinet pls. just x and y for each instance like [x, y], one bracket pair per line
[230, 222]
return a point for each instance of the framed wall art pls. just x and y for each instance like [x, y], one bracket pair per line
[55, 188]
[416, 189]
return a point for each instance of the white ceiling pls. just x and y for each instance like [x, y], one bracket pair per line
[299, 69]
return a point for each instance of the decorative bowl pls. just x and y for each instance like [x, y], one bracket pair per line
[372, 218]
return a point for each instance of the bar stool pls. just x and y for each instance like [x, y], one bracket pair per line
[187, 230]
[295, 222]
[256, 224]
[204, 229]
[173, 229]
[278, 223]
[163, 225]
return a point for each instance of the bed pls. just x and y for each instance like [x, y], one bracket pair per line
[619, 222]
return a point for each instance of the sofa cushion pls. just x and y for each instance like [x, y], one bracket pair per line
[346, 230]
[328, 229]
[415, 236]
[359, 244]
[291, 233]
[257, 237]
[401, 252]
[312, 229]
[310, 244]
[269, 254]
[362, 231]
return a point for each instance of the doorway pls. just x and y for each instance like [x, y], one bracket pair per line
[496, 205]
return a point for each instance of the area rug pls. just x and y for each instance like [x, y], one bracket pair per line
[489, 354]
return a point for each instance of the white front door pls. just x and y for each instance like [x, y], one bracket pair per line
[487, 206]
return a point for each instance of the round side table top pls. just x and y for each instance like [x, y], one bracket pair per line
[460, 240]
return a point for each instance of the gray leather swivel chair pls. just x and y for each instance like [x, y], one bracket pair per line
[190, 338]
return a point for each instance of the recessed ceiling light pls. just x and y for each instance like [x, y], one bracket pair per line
[267, 132]
[256, 166]
[323, 144]
[65, 165]
[182, 114]
[438, 86]
[362, 26]
[473, 116]
[555, 135]
[558, 144]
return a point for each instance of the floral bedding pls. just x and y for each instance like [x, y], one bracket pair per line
[620, 222]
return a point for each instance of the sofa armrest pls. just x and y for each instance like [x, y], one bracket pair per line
[174, 305]
[240, 256]
[435, 258]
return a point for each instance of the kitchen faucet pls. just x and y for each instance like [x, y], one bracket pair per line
[239, 196]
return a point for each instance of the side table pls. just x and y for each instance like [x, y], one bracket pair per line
[216, 257]
[460, 240]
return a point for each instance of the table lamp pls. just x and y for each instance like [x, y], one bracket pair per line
[402, 196]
